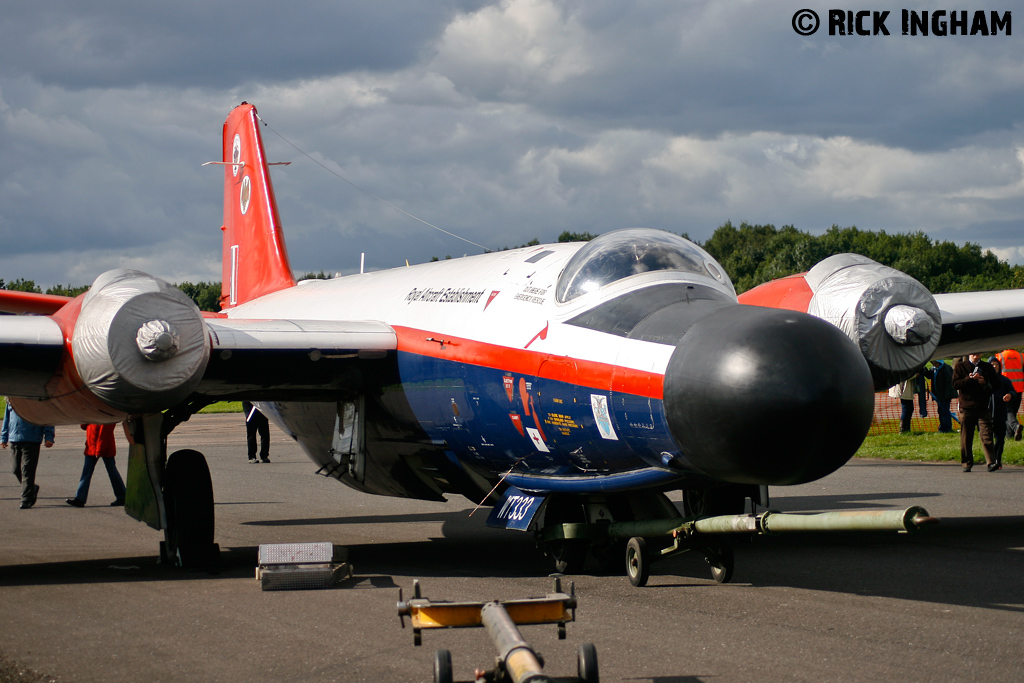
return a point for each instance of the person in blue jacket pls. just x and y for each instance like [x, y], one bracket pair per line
[24, 439]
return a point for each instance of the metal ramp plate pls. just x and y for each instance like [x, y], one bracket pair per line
[297, 566]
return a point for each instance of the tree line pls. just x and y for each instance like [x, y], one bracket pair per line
[754, 254]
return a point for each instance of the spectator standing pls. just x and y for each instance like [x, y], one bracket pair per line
[1013, 371]
[1002, 396]
[943, 393]
[256, 423]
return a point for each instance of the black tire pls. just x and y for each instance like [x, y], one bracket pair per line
[188, 501]
[721, 561]
[638, 562]
[725, 500]
[443, 667]
[586, 664]
[568, 555]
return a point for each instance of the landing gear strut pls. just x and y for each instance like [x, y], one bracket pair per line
[173, 494]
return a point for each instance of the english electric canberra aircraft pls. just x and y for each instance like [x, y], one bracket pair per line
[582, 379]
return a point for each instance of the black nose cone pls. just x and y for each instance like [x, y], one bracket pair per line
[766, 396]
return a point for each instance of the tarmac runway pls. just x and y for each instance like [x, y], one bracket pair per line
[83, 599]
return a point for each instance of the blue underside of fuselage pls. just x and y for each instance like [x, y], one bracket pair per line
[554, 435]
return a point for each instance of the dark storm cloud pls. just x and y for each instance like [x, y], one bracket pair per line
[501, 122]
[197, 43]
[703, 68]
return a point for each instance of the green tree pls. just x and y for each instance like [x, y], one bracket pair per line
[754, 254]
[67, 290]
[315, 276]
[206, 295]
[567, 236]
[23, 285]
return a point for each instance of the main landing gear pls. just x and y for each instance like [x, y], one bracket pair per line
[173, 494]
[188, 501]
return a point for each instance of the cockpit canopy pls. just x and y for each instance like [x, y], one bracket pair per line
[621, 254]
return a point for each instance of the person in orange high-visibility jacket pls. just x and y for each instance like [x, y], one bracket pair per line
[1013, 370]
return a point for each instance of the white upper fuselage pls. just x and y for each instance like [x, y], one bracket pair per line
[504, 299]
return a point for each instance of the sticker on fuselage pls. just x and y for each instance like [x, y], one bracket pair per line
[599, 404]
[537, 440]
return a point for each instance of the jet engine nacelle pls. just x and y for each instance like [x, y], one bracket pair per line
[139, 343]
[891, 317]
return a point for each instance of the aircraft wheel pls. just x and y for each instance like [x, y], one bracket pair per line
[726, 500]
[638, 561]
[721, 561]
[443, 667]
[586, 663]
[188, 500]
[568, 554]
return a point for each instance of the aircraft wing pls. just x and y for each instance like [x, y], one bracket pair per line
[30, 302]
[31, 348]
[282, 356]
[980, 321]
[139, 345]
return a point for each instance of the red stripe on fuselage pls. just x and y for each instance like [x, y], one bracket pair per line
[591, 374]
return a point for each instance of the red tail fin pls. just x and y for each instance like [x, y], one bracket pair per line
[255, 261]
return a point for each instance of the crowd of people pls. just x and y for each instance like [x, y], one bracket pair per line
[989, 393]
[25, 438]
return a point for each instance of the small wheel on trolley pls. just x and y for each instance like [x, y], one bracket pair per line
[721, 561]
[638, 561]
[586, 664]
[443, 667]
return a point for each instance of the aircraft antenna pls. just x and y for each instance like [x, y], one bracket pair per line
[367, 192]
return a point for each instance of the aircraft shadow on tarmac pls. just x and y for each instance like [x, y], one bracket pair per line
[968, 561]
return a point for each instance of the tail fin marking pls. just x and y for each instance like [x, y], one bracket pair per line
[255, 261]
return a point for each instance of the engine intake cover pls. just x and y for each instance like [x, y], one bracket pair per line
[122, 309]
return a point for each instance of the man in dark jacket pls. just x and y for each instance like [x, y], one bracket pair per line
[943, 391]
[975, 379]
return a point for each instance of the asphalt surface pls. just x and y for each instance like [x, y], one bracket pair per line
[84, 600]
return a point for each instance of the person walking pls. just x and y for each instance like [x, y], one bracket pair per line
[974, 380]
[24, 438]
[99, 445]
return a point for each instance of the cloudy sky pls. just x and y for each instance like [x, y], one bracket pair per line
[497, 121]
